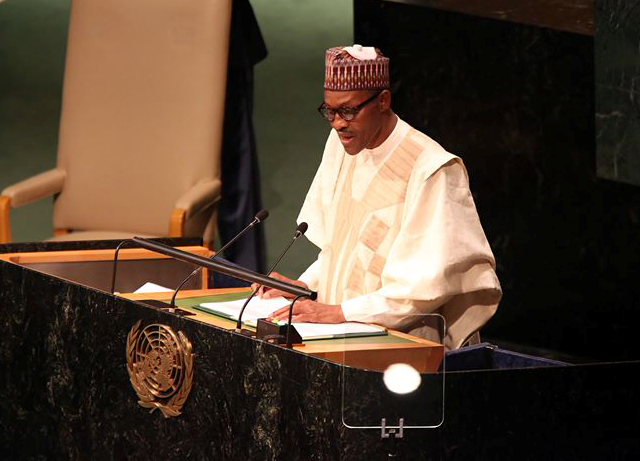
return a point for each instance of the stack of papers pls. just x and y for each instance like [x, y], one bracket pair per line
[261, 308]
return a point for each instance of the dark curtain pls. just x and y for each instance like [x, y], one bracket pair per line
[240, 176]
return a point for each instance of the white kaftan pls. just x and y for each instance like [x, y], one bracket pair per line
[399, 235]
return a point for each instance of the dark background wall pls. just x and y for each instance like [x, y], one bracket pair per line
[516, 102]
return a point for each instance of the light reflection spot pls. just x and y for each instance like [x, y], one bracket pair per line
[401, 378]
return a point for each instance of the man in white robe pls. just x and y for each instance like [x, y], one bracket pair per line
[392, 214]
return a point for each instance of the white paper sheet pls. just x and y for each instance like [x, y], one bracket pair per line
[261, 308]
[257, 308]
[152, 288]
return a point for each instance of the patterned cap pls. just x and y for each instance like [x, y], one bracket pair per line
[348, 68]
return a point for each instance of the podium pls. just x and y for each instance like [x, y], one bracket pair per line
[67, 393]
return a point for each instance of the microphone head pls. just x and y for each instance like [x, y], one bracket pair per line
[301, 229]
[262, 215]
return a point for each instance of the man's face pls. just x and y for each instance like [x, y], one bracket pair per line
[362, 131]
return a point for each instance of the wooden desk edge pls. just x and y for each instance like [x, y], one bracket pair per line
[94, 255]
[333, 352]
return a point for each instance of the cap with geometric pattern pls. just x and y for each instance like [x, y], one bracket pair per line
[348, 68]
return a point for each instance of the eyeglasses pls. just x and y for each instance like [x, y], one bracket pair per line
[346, 113]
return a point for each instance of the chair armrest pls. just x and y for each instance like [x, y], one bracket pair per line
[27, 191]
[5, 224]
[35, 188]
[195, 200]
[199, 197]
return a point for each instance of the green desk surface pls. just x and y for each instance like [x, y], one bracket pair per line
[190, 302]
[379, 339]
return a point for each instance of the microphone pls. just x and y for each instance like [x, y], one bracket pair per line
[258, 218]
[115, 265]
[300, 230]
[224, 268]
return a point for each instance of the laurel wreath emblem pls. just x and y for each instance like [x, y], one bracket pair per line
[160, 367]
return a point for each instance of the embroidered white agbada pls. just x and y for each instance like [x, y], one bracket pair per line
[399, 235]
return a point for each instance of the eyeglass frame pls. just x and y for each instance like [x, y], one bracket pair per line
[355, 110]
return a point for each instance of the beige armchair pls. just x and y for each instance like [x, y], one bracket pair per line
[141, 122]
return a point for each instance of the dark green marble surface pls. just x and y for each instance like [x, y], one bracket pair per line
[617, 89]
[66, 395]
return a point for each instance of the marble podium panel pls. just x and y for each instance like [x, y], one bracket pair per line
[66, 394]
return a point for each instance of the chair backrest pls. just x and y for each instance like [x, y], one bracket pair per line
[142, 110]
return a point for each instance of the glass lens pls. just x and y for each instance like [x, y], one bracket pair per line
[326, 113]
[347, 113]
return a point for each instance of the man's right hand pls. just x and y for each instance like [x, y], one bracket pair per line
[268, 293]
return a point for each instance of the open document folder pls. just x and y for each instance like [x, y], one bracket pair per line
[261, 308]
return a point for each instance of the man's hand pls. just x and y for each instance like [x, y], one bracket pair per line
[310, 311]
[268, 293]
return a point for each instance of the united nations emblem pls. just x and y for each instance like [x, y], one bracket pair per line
[160, 366]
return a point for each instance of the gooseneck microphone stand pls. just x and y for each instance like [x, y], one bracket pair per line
[259, 217]
[300, 230]
[224, 268]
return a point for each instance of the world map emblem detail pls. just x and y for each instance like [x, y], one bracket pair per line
[160, 367]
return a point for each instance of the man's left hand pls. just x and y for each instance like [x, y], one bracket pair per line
[310, 311]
